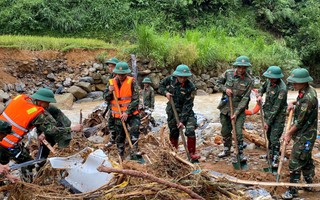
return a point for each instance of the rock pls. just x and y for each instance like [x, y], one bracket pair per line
[4, 96]
[201, 93]
[64, 101]
[19, 87]
[84, 85]
[51, 77]
[86, 79]
[77, 92]
[205, 77]
[95, 94]
[251, 146]
[96, 139]
[2, 106]
[87, 99]
[67, 82]
[100, 87]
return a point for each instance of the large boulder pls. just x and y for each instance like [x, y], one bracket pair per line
[77, 92]
[64, 101]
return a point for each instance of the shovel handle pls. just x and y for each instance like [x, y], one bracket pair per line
[283, 146]
[48, 145]
[123, 123]
[234, 133]
[264, 133]
[180, 130]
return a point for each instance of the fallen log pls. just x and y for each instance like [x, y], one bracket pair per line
[150, 177]
[254, 138]
[217, 175]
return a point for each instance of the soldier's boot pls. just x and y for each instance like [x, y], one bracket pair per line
[174, 142]
[225, 152]
[112, 140]
[275, 156]
[192, 148]
[242, 157]
[309, 180]
[292, 191]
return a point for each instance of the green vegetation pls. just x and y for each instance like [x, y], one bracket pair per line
[197, 32]
[44, 43]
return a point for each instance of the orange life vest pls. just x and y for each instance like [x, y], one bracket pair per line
[19, 113]
[124, 95]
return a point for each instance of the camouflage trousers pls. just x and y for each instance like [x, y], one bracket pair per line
[301, 156]
[190, 126]
[226, 129]
[111, 127]
[133, 123]
[274, 133]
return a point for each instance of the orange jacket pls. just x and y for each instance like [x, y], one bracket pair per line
[19, 113]
[124, 95]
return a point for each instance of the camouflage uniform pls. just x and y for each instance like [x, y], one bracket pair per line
[133, 121]
[64, 124]
[148, 97]
[305, 119]
[183, 97]
[241, 87]
[274, 108]
[111, 120]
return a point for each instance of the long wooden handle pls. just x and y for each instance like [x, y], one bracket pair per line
[234, 133]
[45, 142]
[264, 133]
[283, 146]
[180, 129]
[123, 123]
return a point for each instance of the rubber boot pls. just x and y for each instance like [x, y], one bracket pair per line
[174, 142]
[192, 148]
[224, 153]
[309, 180]
[292, 191]
[242, 157]
[275, 157]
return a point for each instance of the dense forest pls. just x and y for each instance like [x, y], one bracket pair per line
[197, 32]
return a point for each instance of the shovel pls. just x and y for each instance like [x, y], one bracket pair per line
[30, 162]
[283, 146]
[270, 168]
[180, 129]
[139, 158]
[238, 164]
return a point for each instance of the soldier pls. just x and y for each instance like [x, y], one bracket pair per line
[182, 91]
[25, 113]
[303, 131]
[127, 91]
[111, 65]
[148, 100]
[236, 83]
[274, 108]
[6, 128]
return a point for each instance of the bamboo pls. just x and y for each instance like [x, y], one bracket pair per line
[150, 177]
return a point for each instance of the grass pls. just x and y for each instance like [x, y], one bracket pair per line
[50, 43]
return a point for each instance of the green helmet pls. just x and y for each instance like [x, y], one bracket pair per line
[112, 61]
[242, 61]
[5, 127]
[122, 68]
[273, 72]
[44, 94]
[146, 80]
[299, 75]
[182, 70]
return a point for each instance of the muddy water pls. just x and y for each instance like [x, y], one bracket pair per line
[205, 105]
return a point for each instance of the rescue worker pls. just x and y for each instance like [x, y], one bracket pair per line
[274, 108]
[238, 83]
[24, 113]
[303, 130]
[182, 91]
[147, 105]
[111, 63]
[5, 154]
[127, 91]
